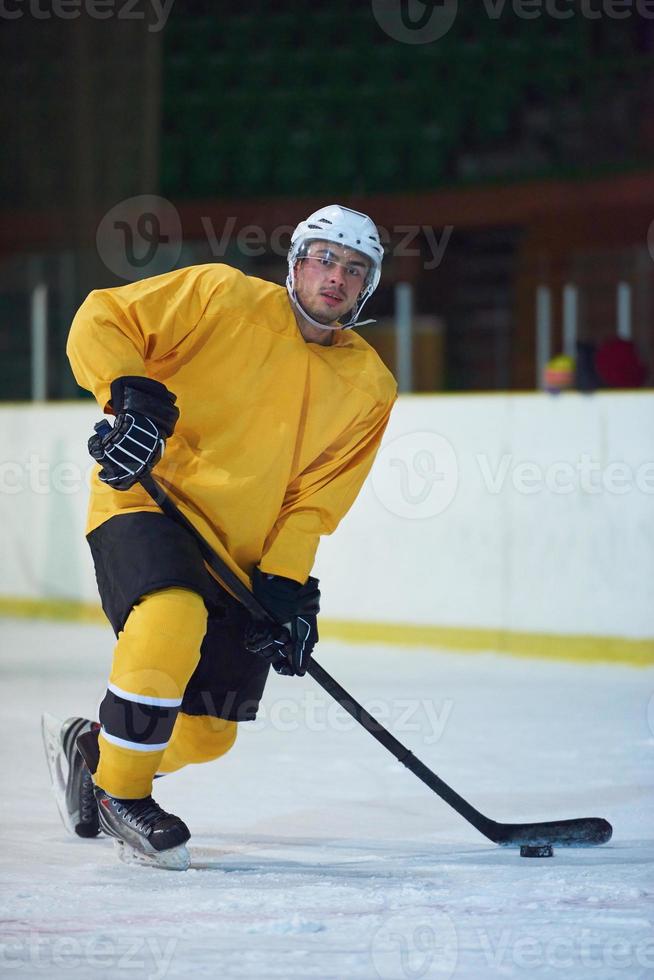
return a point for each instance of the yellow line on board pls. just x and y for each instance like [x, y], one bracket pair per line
[69, 610]
[551, 646]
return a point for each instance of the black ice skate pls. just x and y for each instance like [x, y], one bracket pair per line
[144, 833]
[71, 780]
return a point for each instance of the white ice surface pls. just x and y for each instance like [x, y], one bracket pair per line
[315, 854]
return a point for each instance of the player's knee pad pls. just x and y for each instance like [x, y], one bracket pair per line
[197, 738]
[159, 647]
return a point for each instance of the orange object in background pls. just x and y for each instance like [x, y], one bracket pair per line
[559, 374]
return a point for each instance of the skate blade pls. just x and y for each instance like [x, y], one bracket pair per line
[172, 859]
[57, 765]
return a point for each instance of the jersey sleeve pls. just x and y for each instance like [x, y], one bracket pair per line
[121, 331]
[318, 499]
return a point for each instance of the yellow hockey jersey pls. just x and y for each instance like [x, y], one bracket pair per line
[275, 435]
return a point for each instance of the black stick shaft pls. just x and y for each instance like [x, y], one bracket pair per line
[589, 830]
[318, 673]
[401, 753]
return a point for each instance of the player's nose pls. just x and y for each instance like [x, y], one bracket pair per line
[337, 275]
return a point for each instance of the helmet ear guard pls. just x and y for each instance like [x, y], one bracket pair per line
[345, 227]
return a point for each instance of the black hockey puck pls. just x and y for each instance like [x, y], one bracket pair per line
[536, 851]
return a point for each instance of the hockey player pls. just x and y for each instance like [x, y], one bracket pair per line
[270, 411]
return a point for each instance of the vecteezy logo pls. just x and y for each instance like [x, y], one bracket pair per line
[415, 21]
[416, 475]
[413, 948]
[139, 237]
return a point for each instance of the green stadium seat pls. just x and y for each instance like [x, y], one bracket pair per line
[264, 99]
[242, 35]
[280, 31]
[293, 171]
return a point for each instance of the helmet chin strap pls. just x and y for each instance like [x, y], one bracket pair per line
[290, 286]
[303, 313]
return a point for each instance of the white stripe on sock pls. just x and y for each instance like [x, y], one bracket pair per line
[143, 698]
[122, 743]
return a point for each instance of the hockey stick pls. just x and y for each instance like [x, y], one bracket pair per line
[579, 832]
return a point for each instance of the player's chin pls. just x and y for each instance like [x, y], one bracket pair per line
[325, 313]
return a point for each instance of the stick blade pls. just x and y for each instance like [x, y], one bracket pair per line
[579, 832]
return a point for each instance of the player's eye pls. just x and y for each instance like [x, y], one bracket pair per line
[353, 270]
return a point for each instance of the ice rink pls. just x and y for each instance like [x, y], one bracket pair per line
[315, 854]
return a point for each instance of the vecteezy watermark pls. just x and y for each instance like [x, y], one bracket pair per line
[416, 475]
[585, 474]
[156, 12]
[33, 951]
[415, 22]
[140, 236]
[43, 476]
[586, 950]
[425, 21]
[315, 713]
[416, 946]
[34, 474]
[252, 241]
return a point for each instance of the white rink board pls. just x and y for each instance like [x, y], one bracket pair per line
[530, 524]
[516, 512]
[44, 472]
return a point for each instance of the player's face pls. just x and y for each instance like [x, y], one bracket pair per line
[328, 281]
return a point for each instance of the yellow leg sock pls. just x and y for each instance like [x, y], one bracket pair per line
[195, 739]
[156, 653]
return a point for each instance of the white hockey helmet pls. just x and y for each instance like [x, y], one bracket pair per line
[341, 225]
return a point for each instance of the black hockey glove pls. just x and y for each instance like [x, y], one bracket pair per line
[145, 417]
[289, 645]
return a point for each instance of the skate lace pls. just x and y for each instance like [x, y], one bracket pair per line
[141, 814]
[88, 803]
